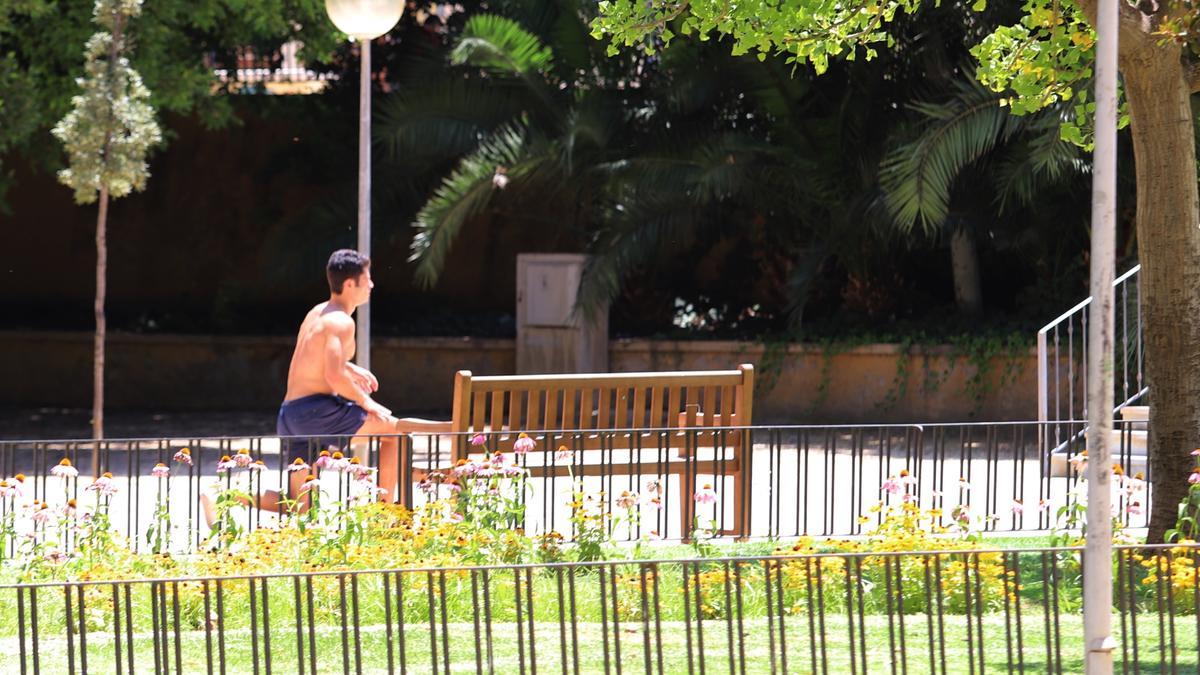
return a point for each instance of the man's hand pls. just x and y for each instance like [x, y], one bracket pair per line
[376, 410]
[364, 379]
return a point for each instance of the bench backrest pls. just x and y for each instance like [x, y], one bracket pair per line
[603, 401]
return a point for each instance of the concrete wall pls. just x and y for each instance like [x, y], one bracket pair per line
[173, 372]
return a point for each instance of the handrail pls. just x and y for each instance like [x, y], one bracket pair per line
[1044, 361]
[1087, 301]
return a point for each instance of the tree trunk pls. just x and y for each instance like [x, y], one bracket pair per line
[1168, 231]
[964, 259]
[101, 325]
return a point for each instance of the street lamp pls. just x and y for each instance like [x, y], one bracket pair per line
[363, 21]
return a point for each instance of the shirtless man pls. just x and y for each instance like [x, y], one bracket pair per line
[329, 398]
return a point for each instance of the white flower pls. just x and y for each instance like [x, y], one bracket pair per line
[64, 469]
[104, 485]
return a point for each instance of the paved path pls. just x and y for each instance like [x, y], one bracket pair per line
[793, 491]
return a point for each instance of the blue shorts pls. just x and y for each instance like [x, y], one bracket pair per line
[321, 419]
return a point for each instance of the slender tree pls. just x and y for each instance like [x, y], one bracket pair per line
[107, 134]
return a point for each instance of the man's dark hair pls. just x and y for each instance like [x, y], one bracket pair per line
[345, 263]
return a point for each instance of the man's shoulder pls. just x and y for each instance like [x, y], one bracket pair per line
[336, 321]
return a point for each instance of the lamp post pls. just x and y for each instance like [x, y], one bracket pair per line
[363, 21]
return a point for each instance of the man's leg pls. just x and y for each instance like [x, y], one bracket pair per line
[269, 500]
[272, 500]
[388, 476]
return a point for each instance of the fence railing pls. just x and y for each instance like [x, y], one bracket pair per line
[775, 481]
[938, 612]
[1062, 347]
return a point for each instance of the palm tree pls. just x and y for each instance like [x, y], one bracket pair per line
[638, 159]
[969, 133]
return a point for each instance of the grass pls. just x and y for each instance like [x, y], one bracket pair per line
[573, 615]
[590, 647]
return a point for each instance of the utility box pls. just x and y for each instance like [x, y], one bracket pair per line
[551, 338]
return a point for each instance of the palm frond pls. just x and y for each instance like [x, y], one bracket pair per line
[465, 193]
[445, 118]
[1040, 161]
[917, 177]
[636, 229]
[500, 45]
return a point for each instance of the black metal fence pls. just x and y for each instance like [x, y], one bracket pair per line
[766, 482]
[938, 612]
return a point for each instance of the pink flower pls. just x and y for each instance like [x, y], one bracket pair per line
[478, 439]
[323, 460]
[242, 458]
[654, 503]
[160, 470]
[1134, 508]
[563, 455]
[358, 471]
[258, 465]
[184, 456]
[653, 486]
[964, 484]
[225, 464]
[104, 485]
[627, 500]
[64, 469]
[1017, 507]
[1043, 505]
[961, 516]
[906, 478]
[1196, 452]
[338, 462]
[1194, 478]
[706, 495]
[298, 465]
[465, 468]
[892, 486]
[41, 514]
[370, 488]
[8, 490]
[523, 444]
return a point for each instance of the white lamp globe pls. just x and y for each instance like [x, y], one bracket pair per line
[364, 19]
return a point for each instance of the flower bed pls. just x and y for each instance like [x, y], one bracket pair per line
[310, 593]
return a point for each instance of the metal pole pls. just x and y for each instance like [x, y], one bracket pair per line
[362, 340]
[1097, 563]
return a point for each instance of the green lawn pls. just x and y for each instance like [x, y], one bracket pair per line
[668, 644]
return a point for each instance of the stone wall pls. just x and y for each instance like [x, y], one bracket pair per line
[801, 384]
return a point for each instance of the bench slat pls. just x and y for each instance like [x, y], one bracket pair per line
[639, 407]
[604, 416]
[551, 417]
[656, 406]
[515, 404]
[497, 419]
[478, 411]
[535, 382]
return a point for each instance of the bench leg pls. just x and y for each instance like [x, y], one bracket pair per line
[741, 510]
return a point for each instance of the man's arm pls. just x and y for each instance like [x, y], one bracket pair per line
[340, 373]
[366, 379]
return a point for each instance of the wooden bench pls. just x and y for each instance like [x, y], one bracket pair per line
[682, 408]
